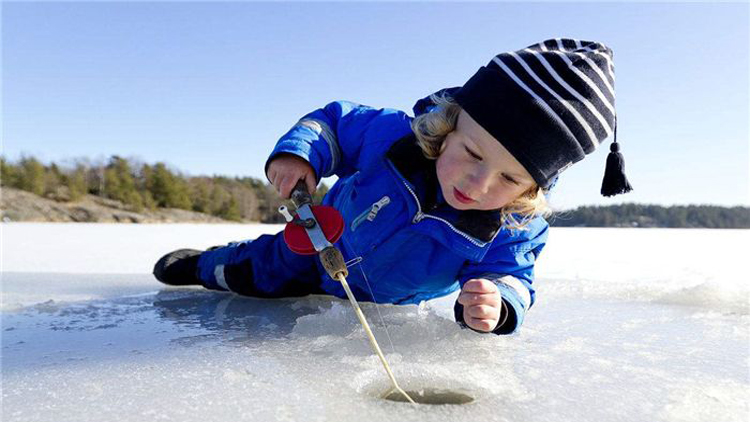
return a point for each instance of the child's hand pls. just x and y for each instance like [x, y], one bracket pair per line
[286, 170]
[482, 304]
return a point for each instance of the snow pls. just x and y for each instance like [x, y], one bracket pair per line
[629, 325]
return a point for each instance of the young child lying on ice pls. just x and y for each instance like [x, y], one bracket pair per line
[451, 198]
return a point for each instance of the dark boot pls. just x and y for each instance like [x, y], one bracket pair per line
[179, 268]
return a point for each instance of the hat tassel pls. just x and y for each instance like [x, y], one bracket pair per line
[615, 182]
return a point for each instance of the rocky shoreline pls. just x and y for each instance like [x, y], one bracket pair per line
[22, 206]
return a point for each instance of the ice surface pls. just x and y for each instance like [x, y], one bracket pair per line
[629, 325]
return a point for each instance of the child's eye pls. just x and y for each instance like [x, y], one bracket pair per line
[473, 154]
[510, 179]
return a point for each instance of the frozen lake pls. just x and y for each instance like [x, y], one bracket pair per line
[629, 325]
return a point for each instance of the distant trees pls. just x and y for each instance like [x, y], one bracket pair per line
[76, 183]
[29, 175]
[143, 186]
[119, 183]
[640, 215]
[167, 189]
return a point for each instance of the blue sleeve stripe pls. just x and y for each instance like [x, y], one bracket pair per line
[322, 129]
[512, 301]
[511, 283]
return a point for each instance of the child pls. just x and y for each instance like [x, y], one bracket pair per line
[452, 198]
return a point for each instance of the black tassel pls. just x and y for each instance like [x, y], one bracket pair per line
[615, 182]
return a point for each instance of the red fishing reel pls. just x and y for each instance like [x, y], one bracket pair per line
[313, 226]
[327, 218]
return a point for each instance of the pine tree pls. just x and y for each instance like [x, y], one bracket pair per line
[168, 190]
[160, 184]
[76, 183]
[229, 210]
[120, 185]
[200, 195]
[8, 174]
[53, 178]
[32, 176]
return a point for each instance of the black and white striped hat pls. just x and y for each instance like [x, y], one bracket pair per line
[550, 105]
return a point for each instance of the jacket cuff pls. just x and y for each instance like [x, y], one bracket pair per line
[298, 142]
[516, 310]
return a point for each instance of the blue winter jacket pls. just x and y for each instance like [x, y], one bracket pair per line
[409, 245]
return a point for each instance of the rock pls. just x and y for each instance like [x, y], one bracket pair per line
[18, 205]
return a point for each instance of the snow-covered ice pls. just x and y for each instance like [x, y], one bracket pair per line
[629, 325]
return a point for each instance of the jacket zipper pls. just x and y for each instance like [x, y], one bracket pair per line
[419, 216]
[370, 213]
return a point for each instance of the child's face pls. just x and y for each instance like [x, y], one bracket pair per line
[476, 172]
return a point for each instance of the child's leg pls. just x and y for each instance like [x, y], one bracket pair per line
[264, 267]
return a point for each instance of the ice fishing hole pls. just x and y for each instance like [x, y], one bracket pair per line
[430, 396]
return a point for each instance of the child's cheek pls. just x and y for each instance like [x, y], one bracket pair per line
[448, 168]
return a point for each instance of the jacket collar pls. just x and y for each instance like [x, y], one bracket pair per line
[420, 172]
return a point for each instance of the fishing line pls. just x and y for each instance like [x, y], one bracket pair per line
[358, 260]
[374, 343]
[304, 234]
[377, 308]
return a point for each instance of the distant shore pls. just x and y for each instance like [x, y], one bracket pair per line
[19, 205]
[22, 206]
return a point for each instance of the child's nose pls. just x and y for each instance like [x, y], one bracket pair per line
[480, 183]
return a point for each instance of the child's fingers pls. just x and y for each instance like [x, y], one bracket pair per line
[310, 182]
[482, 317]
[479, 324]
[483, 312]
[273, 177]
[470, 299]
[279, 184]
[479, 285]
[289, 182]
[286, 185]
[285, 171]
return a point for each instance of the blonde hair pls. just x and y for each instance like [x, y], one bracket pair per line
[431, 129]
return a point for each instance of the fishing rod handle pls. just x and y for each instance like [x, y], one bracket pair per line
[333, 262]
[300, 196]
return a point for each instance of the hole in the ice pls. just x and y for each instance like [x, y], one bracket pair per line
[430, 396]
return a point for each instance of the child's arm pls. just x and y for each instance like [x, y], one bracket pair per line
[332, 139]
[509, 267]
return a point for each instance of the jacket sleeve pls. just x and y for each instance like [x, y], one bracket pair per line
[510, 265]
[332, 138]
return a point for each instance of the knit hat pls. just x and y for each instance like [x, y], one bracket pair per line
[550, 105]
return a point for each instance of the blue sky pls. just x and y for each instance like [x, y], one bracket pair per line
[209, 87]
